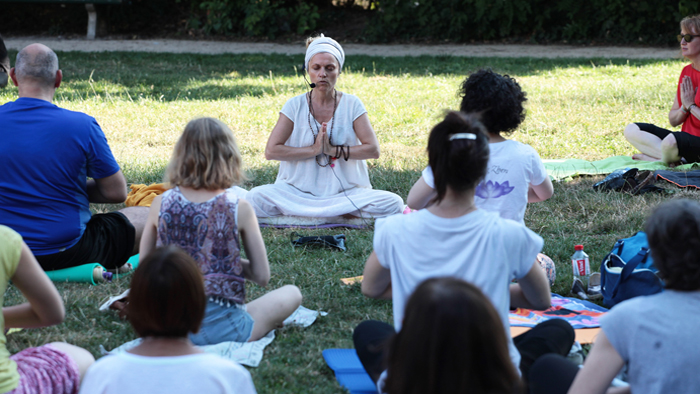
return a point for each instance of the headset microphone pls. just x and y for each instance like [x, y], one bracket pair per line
[311, 85]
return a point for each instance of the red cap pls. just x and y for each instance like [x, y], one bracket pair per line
[578, 247]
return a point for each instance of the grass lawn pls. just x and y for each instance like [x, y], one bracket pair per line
[576, 109]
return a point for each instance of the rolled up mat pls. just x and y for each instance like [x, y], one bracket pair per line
[86, 273]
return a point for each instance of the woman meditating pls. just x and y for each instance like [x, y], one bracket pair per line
[454, 238]
[656, 143]
[322, 139]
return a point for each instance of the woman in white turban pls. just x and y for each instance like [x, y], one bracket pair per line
[322, 139]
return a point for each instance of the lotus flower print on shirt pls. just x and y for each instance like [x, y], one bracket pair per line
[492, 189]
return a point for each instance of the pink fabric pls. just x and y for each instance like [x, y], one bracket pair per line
[46, 370]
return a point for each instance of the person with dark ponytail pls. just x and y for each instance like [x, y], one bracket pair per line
[453, 238]
[452, 320]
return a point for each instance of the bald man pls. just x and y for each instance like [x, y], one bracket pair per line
[54, 163]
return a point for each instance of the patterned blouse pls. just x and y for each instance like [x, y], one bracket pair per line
[208, 232]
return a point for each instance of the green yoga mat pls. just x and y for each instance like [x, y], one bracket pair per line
[82, 274]
[86, 273]
[567, 168]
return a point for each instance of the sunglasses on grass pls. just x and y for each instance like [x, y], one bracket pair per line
[686, 37]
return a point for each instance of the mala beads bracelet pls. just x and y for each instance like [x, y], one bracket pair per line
[342, 151]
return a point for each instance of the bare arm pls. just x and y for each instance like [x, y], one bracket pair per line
[599, 370]
[376, 281]
[421, 195]
[531, 291]
[365, 133]
[679, 114]
[277, 150]
[541, 192]
[111, 189]
[44, 306]
[150, 230]
[256, 268]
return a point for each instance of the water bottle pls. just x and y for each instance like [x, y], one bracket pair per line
[581, 265]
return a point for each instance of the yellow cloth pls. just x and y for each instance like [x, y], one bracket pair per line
[142, 195]
[10, 250]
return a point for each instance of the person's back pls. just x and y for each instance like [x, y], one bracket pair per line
[515, 174]
[186, 374]
[166, 302]
[44, 154]
[47, 155]
[479, 247]
[657, 336]
[452, 238]
[654, 336]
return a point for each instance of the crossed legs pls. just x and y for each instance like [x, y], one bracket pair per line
[652, 148]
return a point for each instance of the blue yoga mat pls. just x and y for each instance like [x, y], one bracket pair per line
[349, 371]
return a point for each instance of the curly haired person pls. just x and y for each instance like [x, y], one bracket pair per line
[515, 174]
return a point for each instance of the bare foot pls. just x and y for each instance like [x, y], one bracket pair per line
[644, 157]
[122, 270]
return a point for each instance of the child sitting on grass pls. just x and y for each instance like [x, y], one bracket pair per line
[55, 368]
[166, 302]
[200, 216]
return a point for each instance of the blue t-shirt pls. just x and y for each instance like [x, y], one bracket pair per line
[46, 155]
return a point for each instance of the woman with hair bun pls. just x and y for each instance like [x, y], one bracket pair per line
[454, 238]
[450, 320]
[322, 139]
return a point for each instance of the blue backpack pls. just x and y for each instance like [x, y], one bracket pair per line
[628, 271]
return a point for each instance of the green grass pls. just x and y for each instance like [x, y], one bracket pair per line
[576, 109]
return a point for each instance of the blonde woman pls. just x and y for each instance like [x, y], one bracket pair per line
[200, 216]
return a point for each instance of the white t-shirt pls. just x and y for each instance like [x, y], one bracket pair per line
[198, 373]
[306, 175]
[512, 168]
[479, 247]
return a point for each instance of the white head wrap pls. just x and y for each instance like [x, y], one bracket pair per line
[325, 44]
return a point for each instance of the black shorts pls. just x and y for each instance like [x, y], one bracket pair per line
[108, 239]
[688, 144]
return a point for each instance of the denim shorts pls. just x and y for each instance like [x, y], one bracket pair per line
[224, 324]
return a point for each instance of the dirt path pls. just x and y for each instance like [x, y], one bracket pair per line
[218, 47]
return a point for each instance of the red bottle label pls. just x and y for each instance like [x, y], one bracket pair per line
[581, 267]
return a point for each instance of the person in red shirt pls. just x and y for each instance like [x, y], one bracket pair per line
[656, 143]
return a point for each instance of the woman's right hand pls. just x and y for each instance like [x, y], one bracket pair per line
[321, 144]
[687, 92]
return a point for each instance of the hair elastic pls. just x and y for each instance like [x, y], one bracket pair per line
[463, 136]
